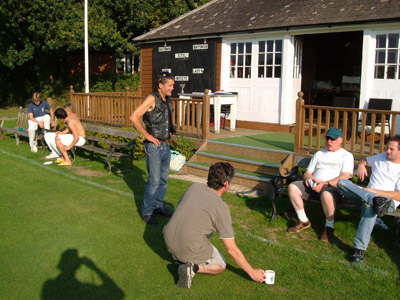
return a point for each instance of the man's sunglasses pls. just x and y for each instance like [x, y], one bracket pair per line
[330, 138]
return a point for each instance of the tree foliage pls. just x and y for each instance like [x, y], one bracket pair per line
[36, 36]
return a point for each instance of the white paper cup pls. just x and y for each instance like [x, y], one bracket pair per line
[269, 277]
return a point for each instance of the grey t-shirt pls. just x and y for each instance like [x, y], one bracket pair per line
[199, 212]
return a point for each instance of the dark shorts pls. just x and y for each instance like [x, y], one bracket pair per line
[308, 193]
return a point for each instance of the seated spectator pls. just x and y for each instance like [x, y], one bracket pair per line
[320, 181]
[38, 117]
[382, 195]
[73, 135]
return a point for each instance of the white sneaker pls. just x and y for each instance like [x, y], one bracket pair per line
[34, 149]
[52, 155]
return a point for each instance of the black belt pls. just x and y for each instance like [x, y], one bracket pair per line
[163, 140]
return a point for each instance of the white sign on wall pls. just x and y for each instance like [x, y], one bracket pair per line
[166, 70]
[181, 55]
[200, 47]
[164, 49]
[198, 71]
[181, 78]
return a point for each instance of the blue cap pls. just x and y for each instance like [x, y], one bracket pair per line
[334, 133]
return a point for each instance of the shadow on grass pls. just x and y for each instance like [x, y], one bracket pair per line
[67, 286]
[136, 181]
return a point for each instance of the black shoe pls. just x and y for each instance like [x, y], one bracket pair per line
[149, 219]
[380, 205]
[163, 212]
[358, 256]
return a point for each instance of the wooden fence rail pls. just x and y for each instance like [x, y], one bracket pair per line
[189, 115]
[312, 123]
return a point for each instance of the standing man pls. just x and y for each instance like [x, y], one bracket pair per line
[320, 181]
[201, 212]
[156, 111]
[382, 195]
[37, 112]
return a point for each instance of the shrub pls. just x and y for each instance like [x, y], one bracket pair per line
[185, 146]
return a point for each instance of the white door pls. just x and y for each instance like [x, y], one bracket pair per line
[255, 73]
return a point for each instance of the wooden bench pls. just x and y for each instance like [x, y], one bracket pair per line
[21, 128]
[281, 181]
[114, 150]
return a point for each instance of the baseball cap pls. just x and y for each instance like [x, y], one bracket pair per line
[334, 133]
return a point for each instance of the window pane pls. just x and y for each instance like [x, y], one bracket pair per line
[278, 46]
[380, 56]
[247, 72]
[261, 46]
[392, 55]
[239, 72]
[233, 60]
[379, 72]
[278, 59]
[232, 75]
[248, 60]
[269, 72]
[261, 72]
[391, 72]
[381, 41]
[248, 47]
[240, 60]
[261, 59]
[241, 46]
[270, 59]
[393, 41]
[277, 72]
[270, 46]
[233, 48]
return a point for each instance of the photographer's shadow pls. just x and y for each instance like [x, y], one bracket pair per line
[67, 286]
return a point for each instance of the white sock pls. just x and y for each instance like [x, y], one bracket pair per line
[396, 203]
[301, 214]
[329, 223]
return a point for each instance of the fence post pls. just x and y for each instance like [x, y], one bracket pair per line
[126, 105]
[206, 115]
[299, 126]
[71, 93]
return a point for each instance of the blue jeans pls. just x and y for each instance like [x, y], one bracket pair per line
[363, 198]
[157, 163]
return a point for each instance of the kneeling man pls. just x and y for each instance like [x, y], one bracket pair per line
[201, 212]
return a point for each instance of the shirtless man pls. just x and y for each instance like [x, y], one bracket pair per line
[73, 135]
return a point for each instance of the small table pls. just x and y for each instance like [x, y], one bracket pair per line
[218, 99]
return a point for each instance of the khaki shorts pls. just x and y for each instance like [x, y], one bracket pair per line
[216, 259]
[308, 193]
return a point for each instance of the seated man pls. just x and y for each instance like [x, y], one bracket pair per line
[38, 116]
[50, 137]
[320, 181]
[201, 212]
[73, 135]
[379, 197]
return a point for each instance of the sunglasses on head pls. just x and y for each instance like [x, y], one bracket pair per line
[330, 138]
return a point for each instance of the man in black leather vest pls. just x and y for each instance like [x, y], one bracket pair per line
[156, 112]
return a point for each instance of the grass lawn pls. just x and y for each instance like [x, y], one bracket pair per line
[55, 221]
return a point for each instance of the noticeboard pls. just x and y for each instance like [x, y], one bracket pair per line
[192, 65]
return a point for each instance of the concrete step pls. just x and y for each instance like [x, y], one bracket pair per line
[239, 178]
[237, 163]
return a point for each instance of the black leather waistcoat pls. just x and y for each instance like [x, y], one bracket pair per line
[157, 120]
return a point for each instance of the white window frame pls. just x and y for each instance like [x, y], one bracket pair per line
[269, 58]
[240, 60]
[387, 51]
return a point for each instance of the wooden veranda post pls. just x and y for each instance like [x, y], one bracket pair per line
[206, 115]
[127, 110]
[299, 122]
